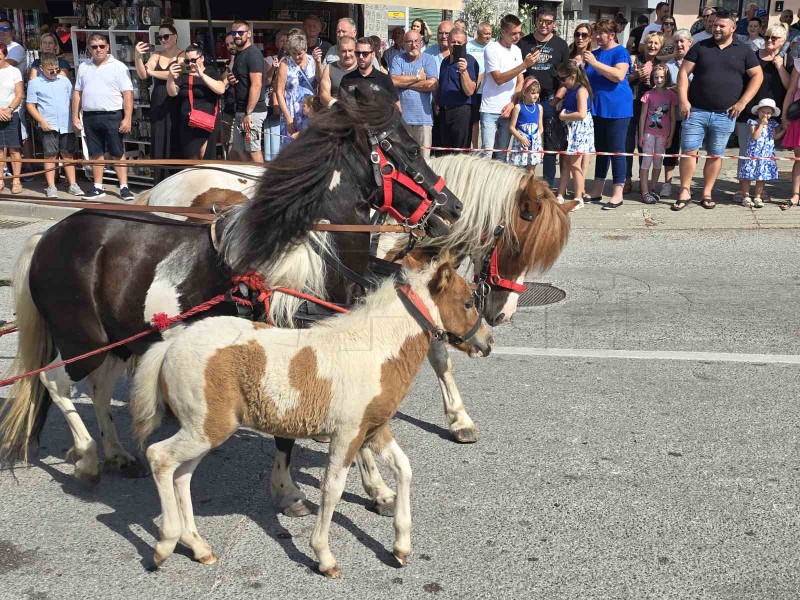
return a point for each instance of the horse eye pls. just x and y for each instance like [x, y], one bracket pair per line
[469, 304]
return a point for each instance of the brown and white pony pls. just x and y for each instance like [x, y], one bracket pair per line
[224, 373]
[492, 194]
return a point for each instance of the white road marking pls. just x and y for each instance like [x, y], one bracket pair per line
[786, 359]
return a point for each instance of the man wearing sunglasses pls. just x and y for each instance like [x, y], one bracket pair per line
[552, 52]
[249, 79]
[48, 101]
[709, 16]
[16, 53]
[367, 74]
[104, 94]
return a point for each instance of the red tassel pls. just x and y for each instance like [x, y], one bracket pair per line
[161, 321]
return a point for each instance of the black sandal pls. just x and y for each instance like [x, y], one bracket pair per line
[681, 204]
[788, 203]
[708, 203]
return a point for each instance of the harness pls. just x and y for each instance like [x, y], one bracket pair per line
[386, 174]
[417, 309]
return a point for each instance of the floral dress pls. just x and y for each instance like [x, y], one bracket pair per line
[300, 83]
[528, 125]
[760, 170]
[580, 134]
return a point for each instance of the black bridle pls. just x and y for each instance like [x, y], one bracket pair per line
[416, 308]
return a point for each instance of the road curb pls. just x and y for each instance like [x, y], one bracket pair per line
[35, 211]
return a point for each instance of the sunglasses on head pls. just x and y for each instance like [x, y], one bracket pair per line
[363, 52]
[581, 35]
[238, 32]
[97, 46]
[164, 37]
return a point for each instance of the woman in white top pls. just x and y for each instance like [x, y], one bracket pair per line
[10, 135]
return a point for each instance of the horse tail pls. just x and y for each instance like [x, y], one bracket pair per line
[24, 413]
[142, 199]
[147, 401]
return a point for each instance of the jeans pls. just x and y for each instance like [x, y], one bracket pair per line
[715, 127]
[609, 136]
[495, 134]
[548, 160]
[272, 137]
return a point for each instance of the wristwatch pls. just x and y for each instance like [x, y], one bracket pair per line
[418, 77]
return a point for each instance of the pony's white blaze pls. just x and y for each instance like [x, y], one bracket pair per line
[335, 179]
[510, 307]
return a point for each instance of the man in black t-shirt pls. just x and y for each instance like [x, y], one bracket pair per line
[229, 104]
[552, 52]
[709, 105]
[248, 79]
[636, 35]
[366, 74]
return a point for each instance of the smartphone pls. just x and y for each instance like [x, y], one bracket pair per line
[185, 69]
[459, 51]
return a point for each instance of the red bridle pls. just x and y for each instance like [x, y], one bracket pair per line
[495, 280]
[389, 174]
[489, 277]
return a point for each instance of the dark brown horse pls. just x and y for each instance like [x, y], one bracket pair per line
[95, 277]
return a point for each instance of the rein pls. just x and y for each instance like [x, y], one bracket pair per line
[417, 309]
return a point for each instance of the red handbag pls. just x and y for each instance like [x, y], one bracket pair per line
[199, 119]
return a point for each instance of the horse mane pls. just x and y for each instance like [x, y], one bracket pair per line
[291, 195]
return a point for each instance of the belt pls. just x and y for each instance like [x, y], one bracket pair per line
[102, 112]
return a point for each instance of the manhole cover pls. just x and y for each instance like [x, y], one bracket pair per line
[540, 294]
[12, 224]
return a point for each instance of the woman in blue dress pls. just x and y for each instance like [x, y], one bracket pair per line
[297, 79]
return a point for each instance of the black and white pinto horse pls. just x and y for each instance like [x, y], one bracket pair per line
[99, 277]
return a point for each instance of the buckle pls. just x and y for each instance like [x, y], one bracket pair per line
[374, 157]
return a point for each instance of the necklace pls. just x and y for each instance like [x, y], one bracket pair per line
[530, 111]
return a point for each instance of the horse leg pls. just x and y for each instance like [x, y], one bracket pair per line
[340, 456]
[461, 426]
[166, 458]
[101, 384]
[391, 452]
[190, 537]
[84, 449]
[291, 500]
[373, 483]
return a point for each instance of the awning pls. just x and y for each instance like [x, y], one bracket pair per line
[430, 4]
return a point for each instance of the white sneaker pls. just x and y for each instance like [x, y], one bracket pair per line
[666, 190]
[560, 199]
[51, 192]
[758, 202]
[75, 190]
[747, 202]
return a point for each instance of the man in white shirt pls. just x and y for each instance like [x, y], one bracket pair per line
[662, 12]
[104, 93]
[504, 66]
[709, 16]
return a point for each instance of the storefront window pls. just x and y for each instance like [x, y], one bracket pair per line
[738, 6]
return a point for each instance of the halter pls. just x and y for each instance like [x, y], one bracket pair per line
[489, 276]
[417, 309]
[386, 174]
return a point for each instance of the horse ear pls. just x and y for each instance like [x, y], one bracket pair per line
[442, 278]
[568, 206]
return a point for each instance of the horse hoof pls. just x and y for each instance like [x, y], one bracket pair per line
[333, 573]
[402, 557]
[209, 559]
[132, 468]
[299, 508]
[465, 436]
[158, 560]
[384, 509]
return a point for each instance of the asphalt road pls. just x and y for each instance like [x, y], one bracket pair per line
[599, 476]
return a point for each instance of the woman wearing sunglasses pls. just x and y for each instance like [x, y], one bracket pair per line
[165, 123]
[10, 134]
[668, 28]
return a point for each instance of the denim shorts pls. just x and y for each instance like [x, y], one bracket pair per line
[716, 128]
[55, 144]
[102, 133]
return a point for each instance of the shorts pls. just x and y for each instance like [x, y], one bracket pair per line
[10, 134]
[256, 131]
[55, 144]
[475, 115]
[102, 133]
[715, 128]
[227, 128]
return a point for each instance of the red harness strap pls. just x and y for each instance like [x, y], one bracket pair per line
[497, 281]
[391, 174]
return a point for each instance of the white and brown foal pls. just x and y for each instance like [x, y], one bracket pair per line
[344, 378]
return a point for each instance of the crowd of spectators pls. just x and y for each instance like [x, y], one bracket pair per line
[510, 96]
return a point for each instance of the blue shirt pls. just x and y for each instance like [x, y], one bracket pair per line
[611, 100]
[450, 90]
[52, 98]
[416, 105]
[434, 51]
[475, 50]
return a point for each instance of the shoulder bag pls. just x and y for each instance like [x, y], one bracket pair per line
[199, 119]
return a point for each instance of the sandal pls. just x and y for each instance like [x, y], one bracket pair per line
[789, 204]
[681, 204]
[708, 203]
[16, 188]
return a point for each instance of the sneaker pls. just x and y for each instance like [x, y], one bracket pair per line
[747, 202]
[125, 193]
[51, 192]
[94, 194]
[666, 190]
[758, 202]
[560, 199]
[75, 190]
